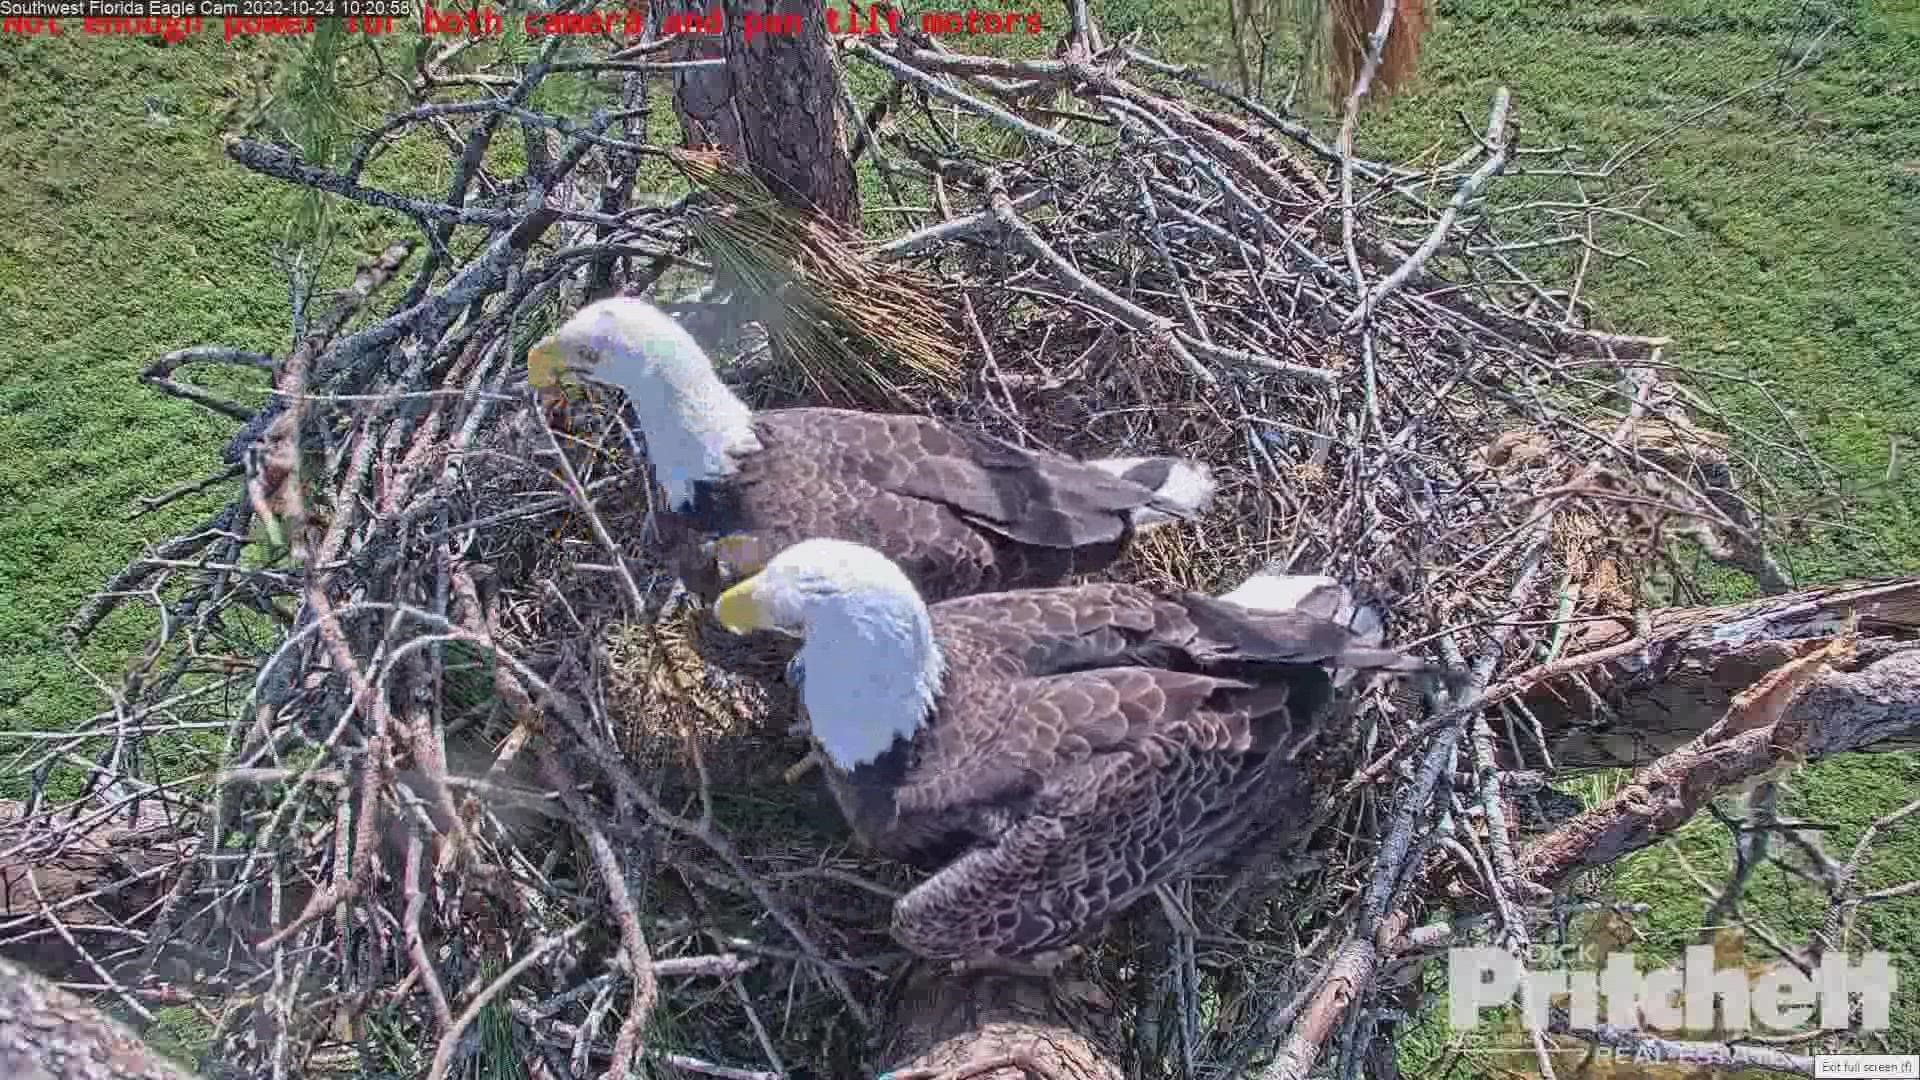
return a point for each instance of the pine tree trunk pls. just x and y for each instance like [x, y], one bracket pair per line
[702, 97]
[786, 96]
[775, 105]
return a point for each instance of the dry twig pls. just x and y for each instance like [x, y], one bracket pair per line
[421, 813]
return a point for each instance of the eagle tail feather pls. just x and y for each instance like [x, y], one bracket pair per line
[1361, 658]
[1182, 489]
[1326, 598]
[1313, 594]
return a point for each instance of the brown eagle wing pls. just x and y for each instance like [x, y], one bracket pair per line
[1001, 743]
[827, 473]
[1181, 776]
[1032, 497]
[958, 511]
[1118, 737]
[1043, 679]
[1043, 631]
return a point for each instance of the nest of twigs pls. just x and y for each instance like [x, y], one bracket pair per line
[463, 785]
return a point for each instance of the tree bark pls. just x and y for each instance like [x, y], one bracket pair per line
[786, 94]
[979, 1027]
[1663, 691]
[72, 893]
[994, 1027]
[702, 97]
[93, 881]
[49, 1034]
[775, 105]
[1822, 702]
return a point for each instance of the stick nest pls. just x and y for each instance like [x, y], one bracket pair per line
[451, 772]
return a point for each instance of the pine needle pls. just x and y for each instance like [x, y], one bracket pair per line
[312, 115]
[855, 327]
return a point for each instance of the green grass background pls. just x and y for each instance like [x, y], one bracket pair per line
[1798, 267]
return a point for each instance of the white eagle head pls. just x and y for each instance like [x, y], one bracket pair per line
[693, 424]
[872, 667]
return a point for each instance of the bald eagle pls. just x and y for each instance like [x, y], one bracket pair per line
[1052, 754]
[959, 511]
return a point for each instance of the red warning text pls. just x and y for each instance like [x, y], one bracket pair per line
[854, 19]
[172, 29]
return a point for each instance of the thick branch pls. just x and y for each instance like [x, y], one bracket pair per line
[1664, 690]
[784, 88]
[139, 570]
[1808, 708]
[275, 162]
[48, 1034]
[990, 1027]
[159, 375]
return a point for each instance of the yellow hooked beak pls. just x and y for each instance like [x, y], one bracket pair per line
[739, 610]
[545, 364]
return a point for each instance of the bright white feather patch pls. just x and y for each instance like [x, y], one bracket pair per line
[872, 668]
[1314, 594]
[1283, 592]
[1188, 486]
[694, 425]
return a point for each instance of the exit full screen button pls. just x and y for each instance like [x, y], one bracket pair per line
[1867, 1066]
